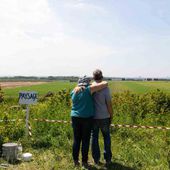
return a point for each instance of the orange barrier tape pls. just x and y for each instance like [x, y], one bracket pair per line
[143, 127]
[11, 120]
[52, 121]
[112, 125]
[29, 130]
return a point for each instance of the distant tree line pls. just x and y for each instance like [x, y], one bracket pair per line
[145, 79]
[75, 78]
[34, 78]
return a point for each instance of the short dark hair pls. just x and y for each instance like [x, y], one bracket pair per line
[97, 74]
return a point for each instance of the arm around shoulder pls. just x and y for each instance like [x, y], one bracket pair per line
[98, 86]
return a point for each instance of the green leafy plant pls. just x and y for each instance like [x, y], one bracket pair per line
[1, 95]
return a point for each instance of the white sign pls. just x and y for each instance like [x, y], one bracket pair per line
[27, 97]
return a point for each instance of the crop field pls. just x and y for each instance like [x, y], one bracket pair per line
[115, 86]
[42, 88]
[19, 84]
[134, 103]
[139, 86]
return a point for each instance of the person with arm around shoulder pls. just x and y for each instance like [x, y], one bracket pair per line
[82, 114]
[102, 120]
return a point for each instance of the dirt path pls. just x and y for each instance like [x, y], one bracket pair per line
[18, 84]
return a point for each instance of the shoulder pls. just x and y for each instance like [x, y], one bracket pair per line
[87, 89]
[106, 91]
[71, 93]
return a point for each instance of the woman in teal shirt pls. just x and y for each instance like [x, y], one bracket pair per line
[82, 113]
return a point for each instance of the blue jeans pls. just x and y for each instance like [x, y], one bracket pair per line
[81, 130]
[104, 126]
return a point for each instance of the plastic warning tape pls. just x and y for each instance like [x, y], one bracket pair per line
[112, 125]
[52, 121]
[141, 126]
[29, 130]
[12, 120]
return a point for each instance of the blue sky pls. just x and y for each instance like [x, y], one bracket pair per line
[128, 38]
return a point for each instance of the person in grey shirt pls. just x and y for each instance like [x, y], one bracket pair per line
[102, 120]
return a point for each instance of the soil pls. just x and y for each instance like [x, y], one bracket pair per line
[18, 84]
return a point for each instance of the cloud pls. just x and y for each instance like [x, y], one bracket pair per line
[84, 7]
[58, 57]
[72, 38]
[25, 23]
[34, 42]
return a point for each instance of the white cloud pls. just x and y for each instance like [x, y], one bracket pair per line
[24, 23]
[58, 57]
[83, 6]
[33, 42]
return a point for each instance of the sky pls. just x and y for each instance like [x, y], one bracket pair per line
[123, 38]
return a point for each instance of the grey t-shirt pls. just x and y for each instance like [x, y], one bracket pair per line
[100, 98]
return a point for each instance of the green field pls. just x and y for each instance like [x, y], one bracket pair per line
[115, 86]
[134, 103]
[139, 86]
[41, 89]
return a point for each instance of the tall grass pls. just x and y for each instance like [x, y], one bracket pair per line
[135, 149]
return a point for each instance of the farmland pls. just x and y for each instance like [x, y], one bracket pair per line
[136, 103]
[115, 86]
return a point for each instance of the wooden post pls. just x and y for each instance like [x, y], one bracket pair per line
[27, 119]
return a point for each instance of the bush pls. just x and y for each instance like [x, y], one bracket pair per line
[137, 148]
[151, 108]
[1, 95]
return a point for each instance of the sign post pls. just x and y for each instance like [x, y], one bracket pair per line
[27, 119]
[27, 97]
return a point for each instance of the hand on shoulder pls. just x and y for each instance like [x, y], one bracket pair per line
[77, 89]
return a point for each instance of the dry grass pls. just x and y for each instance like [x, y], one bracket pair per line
[18, 84]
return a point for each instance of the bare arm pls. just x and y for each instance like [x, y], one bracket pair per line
[93, 87]
[98, 86]
[77, 89]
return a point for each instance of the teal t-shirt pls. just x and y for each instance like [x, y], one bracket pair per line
[82, 104]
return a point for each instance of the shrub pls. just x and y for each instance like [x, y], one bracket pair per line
[150, 108]
[1, 95]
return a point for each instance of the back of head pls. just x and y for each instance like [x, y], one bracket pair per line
[97, 75]
[84, 81]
